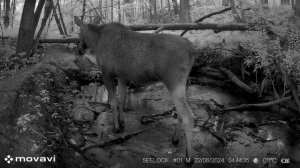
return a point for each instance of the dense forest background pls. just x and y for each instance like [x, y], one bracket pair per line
[248, 50]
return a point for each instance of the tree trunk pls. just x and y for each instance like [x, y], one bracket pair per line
[152, 10]
[62, 19]
[100, 8]
[83, 9]
[7, 11]
[176, 8]
[119, 11]
[106, 9]
[13, 13]
[61, 31]
[71, 29]
[169, 5]
[154, 7]
[25, 38]
[37, 14]
[188, 26]
[47, 12]
[0, 7]
[297, 8]
[112, 10]
[185, 15]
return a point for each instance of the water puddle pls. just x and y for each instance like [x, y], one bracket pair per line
[253, 139]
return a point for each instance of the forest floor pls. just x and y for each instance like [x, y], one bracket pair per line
[48, 109]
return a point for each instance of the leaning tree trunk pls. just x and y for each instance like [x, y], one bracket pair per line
[56, 18]
[7, 11]
[185, 14]
[62, 19]
[24, 37]
[48, 8]
[297, 7]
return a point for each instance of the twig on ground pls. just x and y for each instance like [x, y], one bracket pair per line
[114, 141]
[261, 105]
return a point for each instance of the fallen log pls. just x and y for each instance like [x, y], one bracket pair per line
[64, 40]
[194, 26]
[236, 80]
[261, 105]
[188, 26]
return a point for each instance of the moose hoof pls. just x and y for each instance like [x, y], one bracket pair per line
[189, 162]
[175, 142]
[116, 130]
[122, 124]
[175, 139]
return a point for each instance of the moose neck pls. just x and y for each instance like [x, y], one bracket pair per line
[91, 37]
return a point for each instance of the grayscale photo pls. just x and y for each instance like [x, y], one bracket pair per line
[149, 83]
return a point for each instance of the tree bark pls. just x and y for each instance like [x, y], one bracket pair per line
[169, 5]
[175, 6]
[13, 13]
[83, 9]
[112, 10]
[48, 8]
[7, 11]
[37, 14]
[0, 8]
[61, 31]
[62, 19]
[100, 7]
[185, 14]
[153, 11]
[119, 11]
[25, 38]
[297, 7]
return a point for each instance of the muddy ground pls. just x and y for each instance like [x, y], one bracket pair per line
[51, 109]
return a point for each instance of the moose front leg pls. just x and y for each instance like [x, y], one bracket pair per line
[121, 101]
[111, 88]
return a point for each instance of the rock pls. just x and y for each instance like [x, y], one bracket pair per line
[95, 93]
[83, 114]
[76, 139]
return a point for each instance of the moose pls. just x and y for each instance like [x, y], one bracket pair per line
[143, 58]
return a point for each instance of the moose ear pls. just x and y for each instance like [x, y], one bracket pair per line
[78, 21]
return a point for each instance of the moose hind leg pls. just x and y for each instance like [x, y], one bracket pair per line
[175, 139]
[185, 113]
[121, 101]
[111, 88]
